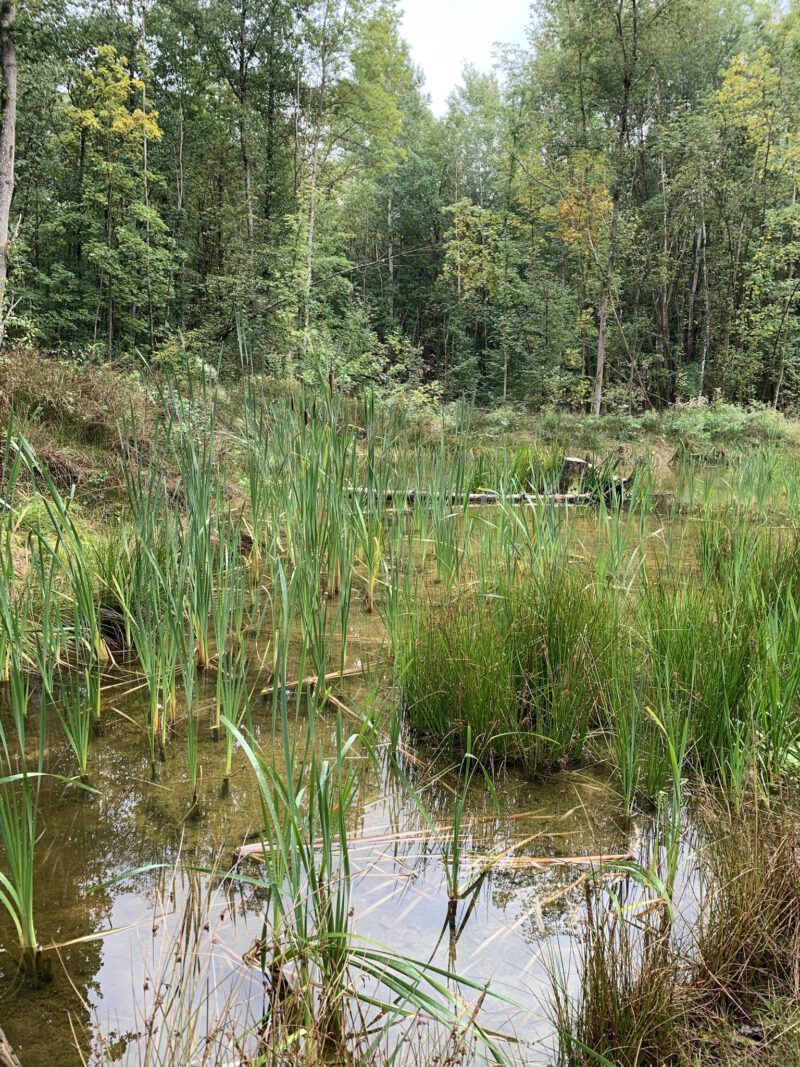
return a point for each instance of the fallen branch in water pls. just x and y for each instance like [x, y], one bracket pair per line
[409, 496]
[8, 1058]
[519, 863]
[314, 679]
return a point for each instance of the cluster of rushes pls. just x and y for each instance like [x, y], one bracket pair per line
[237, 558]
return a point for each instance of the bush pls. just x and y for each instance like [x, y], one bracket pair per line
[708, 429]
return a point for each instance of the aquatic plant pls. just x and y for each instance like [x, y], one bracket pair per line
[78, 710]
[19, 808]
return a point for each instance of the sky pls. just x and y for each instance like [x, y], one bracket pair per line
[445, 34]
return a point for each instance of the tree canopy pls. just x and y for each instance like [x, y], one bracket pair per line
[609, 220]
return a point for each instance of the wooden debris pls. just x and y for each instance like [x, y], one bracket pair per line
[410, 496]
[313, 679]
[8, 1058]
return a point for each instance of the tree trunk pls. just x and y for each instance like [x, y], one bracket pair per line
[629, 54]
[698, 247]
[242, 94]
[706, 315]
[8, 137]
[602, 316]
[390, 258]
[780, 340]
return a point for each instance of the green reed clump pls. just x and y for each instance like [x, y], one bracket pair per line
[629, 1010]
[456, 669]
[628, 729]
[701, 649]
[748, 942]
[72, 556]
[523, 669]
[563, 630]
[78, 710]
[319, 976]
[11, 630]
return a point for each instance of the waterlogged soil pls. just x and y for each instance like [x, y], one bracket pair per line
[121, 872]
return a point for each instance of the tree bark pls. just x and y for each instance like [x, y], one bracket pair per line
[706, 315]
[390, 257]
[242, 94]
[8, 138]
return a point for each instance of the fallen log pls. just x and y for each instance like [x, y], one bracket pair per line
[410, 496]
[8, 1058]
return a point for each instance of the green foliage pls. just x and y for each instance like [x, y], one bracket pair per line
[262, 185]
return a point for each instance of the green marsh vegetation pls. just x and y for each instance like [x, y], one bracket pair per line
[650, 639]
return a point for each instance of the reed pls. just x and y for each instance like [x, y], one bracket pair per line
[748, 941]
[629, 1010]
[74, 557]
[523, 669]
[11, 633]
[19, 808]
[319, 974]
[78, 712]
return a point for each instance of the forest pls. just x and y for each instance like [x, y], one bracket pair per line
[609, 221]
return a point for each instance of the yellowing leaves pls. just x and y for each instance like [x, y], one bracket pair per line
[754, 99]
[581, 216]
[748, 95]
[108, 108]
[476, 250]
[136, 122]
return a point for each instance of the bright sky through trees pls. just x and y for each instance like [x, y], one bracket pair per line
[445, 34]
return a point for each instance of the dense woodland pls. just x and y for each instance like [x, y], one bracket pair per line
[609, 222]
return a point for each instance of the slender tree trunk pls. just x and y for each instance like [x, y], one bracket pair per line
[110, 294]
[151, 329]
[179, 179]
[629, 53]
[698, 247]
[248, 181]
[312, 223]
[780, 340]
[663, 297]
[270, 184]
[602, 314]
[313, 190]
[390, 258]
[8, 138]
[706, 315]
[242, 94]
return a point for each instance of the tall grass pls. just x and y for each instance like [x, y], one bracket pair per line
[628, 1011]
[19, 809]
[522, 669]
[78, 712]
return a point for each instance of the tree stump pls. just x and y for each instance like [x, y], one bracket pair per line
[572, 468]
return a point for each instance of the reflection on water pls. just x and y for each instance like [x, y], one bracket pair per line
[399, 890]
